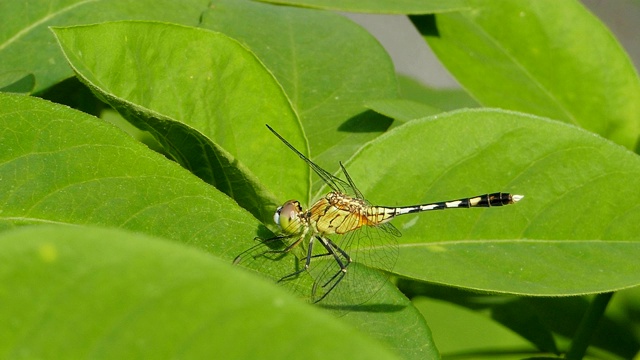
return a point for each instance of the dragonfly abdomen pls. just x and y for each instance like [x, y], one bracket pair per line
[381, 214]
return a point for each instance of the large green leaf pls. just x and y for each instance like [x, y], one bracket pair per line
[77, 292]
[27, 46]
[327, 78]
[206, 101]
[576, 186]
[549, 58]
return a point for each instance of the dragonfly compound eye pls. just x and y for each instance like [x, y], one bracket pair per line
[287, 216]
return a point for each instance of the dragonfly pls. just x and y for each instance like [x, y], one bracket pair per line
[332, 237]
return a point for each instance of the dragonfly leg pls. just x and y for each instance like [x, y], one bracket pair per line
[283, 251]
[336, 252]
[242, 255]
[306, 263]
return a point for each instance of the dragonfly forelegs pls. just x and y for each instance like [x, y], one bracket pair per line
[243, 256]
[306, 262]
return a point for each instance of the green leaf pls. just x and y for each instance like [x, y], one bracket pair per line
[209, 111]
[392, 318]
[546, 322]
[549, 58]
[576, 186]
[165, 301]
[564, 316]
[377, 6]
[27, 46]
[328, 79]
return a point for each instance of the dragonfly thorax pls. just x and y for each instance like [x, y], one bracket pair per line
[338, 213]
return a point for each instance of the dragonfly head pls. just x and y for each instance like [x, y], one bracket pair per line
[287, 217]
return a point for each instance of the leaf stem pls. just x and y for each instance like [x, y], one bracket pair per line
[587, 326]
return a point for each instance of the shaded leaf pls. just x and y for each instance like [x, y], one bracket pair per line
[17, 82]
[470, 333]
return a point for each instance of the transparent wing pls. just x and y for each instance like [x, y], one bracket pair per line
[333, 182]
[337, 289]
[267, 257]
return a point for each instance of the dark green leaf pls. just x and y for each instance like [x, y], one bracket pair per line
[17, 81]
[470, 333]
